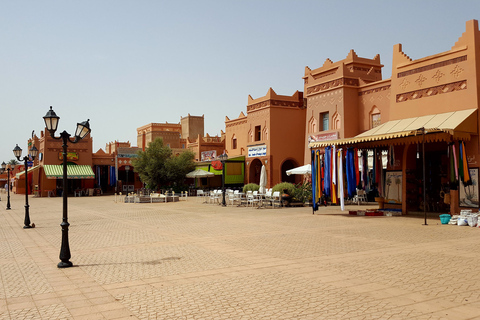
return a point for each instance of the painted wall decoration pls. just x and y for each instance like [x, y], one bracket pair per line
[393, 187]
[208, 155]
[469, 194]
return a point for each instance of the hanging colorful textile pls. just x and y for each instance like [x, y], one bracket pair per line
[373, 169]
[357, 168]
[379, 173]
[453, 181]
[464, 163]
[460, 162]
[326, 172]
[314, 185]
[334, 175]
[391, 155]
[340, 179]
[365, 169]
[350, 172]
[455, 161]
[113, 179]
[319, 176]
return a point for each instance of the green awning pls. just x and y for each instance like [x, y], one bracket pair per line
[73, 171]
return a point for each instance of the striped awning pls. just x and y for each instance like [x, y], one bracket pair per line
[73, 171]
[457, 124]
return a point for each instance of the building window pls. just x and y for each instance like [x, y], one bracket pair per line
[324, 121]
[234, 142]
[183, 145]
[376, 120]
[258, 133]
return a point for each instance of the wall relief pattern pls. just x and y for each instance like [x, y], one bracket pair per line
[333, 84]
[280, 103]
[236, 123]
[432, 91]
[432, 66]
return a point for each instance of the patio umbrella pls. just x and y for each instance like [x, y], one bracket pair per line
[263, 180]
[306, 169]
[199, 173]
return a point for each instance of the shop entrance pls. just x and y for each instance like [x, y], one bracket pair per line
[255, 169]
[436, 178]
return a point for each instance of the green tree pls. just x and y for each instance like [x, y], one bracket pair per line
[177, 167]
[150, 164]
[157, 166]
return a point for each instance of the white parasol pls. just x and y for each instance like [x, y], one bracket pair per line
[306, 169]
[263, 180]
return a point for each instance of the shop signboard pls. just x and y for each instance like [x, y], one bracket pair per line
[71, 156]
[257, 151]
[324, 137]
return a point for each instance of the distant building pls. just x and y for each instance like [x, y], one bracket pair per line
[433, 99]
[269, 135]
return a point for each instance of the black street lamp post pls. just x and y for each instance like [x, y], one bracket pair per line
[223, 157]
[17, 151]
[83, 129]
[7, 167]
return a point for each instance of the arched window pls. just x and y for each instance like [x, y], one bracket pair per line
[375, 117]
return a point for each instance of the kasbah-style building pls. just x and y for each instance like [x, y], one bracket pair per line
[344, 103]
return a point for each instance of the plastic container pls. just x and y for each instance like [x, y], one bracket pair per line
[472, 220]
[445, 218]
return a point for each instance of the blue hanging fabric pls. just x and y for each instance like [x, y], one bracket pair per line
[350, 171]
[314, 184]
[98, 176]
[113, 178]
[327, 177]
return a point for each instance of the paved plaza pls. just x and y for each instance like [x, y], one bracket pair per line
[189, 260]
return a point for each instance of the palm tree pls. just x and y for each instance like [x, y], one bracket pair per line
[398, 181]
[13, 162]
[389, 182]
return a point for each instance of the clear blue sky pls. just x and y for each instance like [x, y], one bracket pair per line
[124, 64]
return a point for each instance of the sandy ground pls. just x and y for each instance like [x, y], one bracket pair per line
[189, 260]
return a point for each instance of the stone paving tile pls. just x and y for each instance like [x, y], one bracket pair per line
[188, 260]
[143, 263]
[267, 296]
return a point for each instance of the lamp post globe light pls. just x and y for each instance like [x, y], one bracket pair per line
[83, 129]
[17, 151]
[7, 167]
[222, 158]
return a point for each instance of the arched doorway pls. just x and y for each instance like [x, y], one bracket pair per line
[287, 165]
[254, 171]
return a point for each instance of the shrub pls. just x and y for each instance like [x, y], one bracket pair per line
[284, 185]
[250, 187]
[303, 192]
[299, 192]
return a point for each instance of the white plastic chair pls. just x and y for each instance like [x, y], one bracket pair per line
[360, 196]
[276, 199]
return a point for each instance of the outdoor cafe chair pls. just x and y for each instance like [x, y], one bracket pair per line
[251, 198]
[276, 199]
